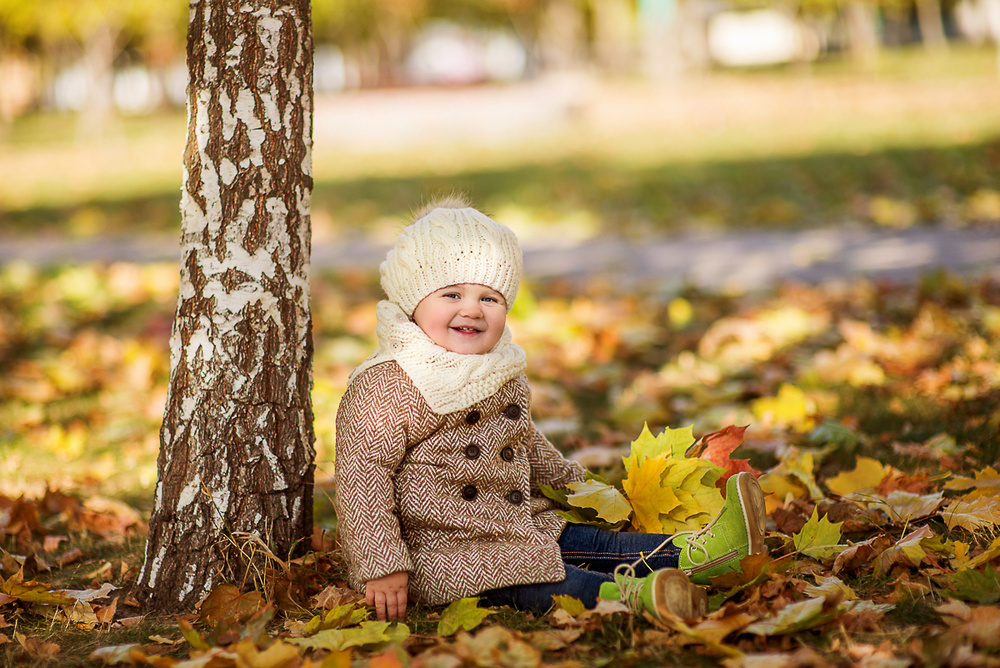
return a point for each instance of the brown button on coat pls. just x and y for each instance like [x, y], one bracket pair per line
[405, 499]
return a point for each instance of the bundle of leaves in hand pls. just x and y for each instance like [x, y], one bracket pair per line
[672, 483]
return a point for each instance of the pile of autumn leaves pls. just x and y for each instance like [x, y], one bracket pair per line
[873, 524]
[866, 563]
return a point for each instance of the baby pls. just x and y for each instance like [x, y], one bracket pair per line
[438, 461]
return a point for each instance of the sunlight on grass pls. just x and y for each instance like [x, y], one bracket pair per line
[736, 150]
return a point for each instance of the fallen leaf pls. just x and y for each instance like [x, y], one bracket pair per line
[553, 640]
[106, 614]
[225, 605]
[969, 585]
[908, 551]
[819, 538]
[570, 604]
[69, 557]
[497, 646]
[334, 596]
[905, 507]
[830, 586]
[791, 408]
[37, 648]
[648, 497]
[987, 480]
[116, 654]
[717, 448]
[81, 614]
[34, 592]
[464, 613]
[861, 555]
[670, 442]
[973, 514]
[368, 634]
[51, 543]
[799, 616]
[89, 594]
[604, 498]
[866, 476]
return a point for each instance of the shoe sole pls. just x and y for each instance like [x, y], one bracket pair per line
[674, 593]
[754, 511]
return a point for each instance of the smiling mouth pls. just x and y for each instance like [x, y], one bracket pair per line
[466, 330]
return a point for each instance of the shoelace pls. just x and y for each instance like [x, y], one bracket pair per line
[629, 585]
[698, 539]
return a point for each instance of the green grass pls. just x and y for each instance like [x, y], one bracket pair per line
[754, 149]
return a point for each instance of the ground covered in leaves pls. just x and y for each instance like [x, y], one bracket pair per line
[870, 411]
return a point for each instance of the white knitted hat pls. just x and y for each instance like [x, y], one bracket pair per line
[448, 246]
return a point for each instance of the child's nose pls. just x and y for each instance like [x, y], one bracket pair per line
[471, 308]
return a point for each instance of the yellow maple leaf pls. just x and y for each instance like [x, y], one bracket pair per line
[819, 538]
[647, 495]
[689, 514]
[670, 442]
[866, 476]
[684, 473]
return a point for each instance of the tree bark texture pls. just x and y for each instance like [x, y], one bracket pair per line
[236, 445]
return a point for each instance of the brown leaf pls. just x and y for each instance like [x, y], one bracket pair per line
[69, 557]
[724, 621]
[553, 640]
[907, 552]
[51, 543]
[225, 605]
[106, 614]
[36, 647]
[981, 625]
[860, 556]
[787, 521]
[333, 596]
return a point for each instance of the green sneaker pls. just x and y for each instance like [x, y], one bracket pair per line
[738, 530]
[664, 591]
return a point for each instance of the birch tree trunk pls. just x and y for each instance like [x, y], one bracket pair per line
[236, 445]
[931, 24]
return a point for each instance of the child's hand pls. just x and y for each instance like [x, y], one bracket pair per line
[388, 595]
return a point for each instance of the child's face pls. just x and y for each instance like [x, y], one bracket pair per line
[467, 318]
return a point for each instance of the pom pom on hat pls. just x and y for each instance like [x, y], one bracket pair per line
[448, 246]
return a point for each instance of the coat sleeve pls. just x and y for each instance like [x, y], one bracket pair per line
[370, 444]
[549, 466]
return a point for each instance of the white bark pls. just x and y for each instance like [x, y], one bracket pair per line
[237, 441]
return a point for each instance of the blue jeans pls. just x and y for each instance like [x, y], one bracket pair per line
[590, 556]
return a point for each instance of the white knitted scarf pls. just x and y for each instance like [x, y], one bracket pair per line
[447, 381]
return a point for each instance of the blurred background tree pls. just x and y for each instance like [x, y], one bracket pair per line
[94, 56]
[68, 52]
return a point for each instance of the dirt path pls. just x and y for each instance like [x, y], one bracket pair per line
[737, 261]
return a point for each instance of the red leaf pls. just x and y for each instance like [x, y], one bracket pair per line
[716, 448]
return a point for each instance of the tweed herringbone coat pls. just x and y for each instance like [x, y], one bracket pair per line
[453, 499]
